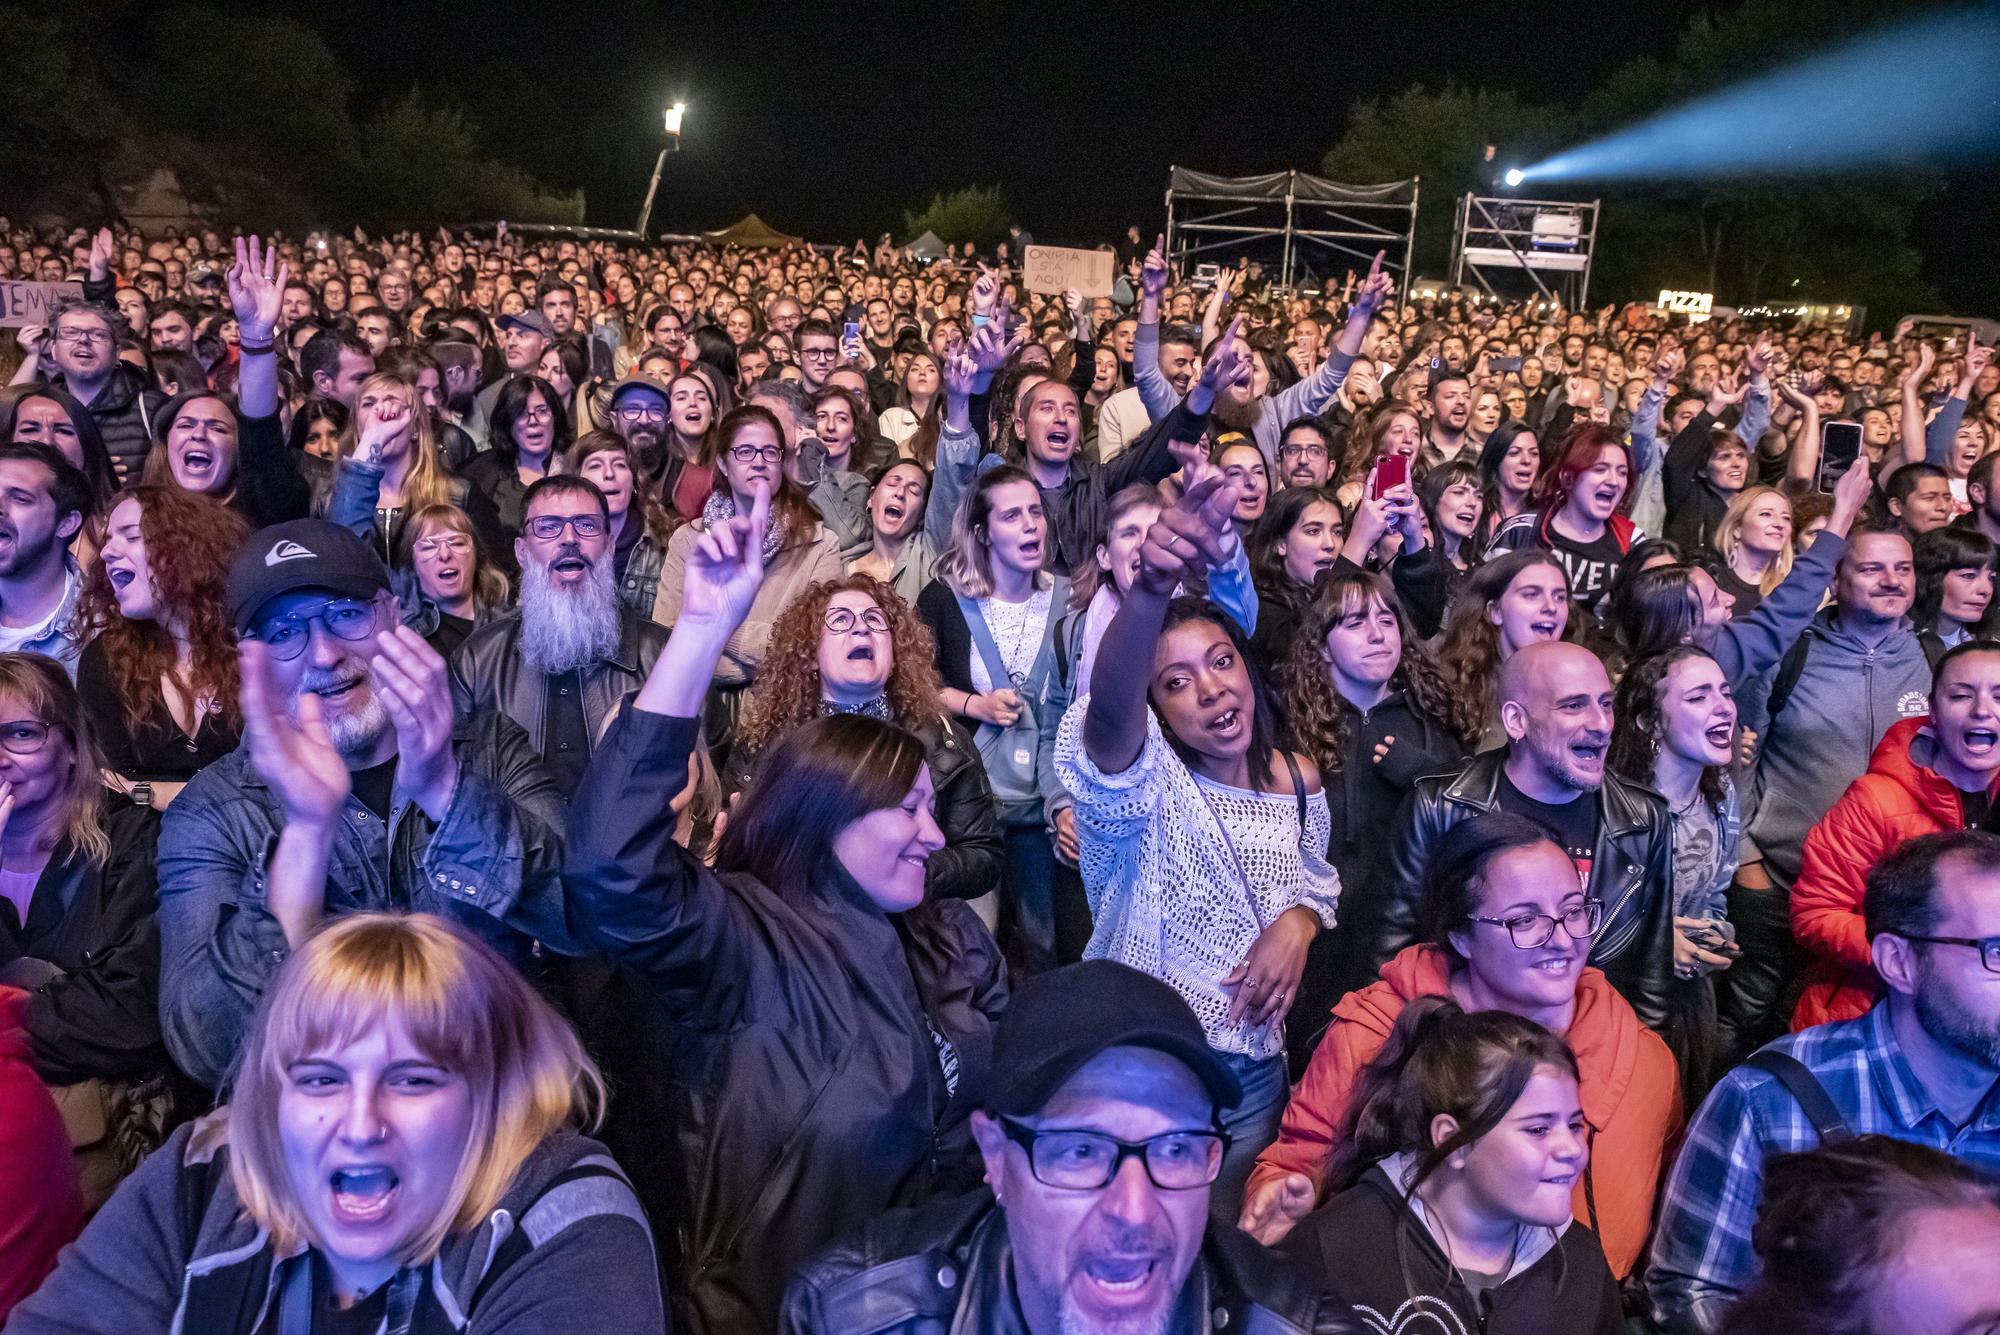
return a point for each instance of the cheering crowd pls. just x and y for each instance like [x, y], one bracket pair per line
[553, 785]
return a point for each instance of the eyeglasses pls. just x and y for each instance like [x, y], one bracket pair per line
[841, 620]
[344, 618]
[452, 545]
[633, 412]
[1313, 451]
[744, 454]
[1531, 931]
[24, 738]
[538, 413]
[1987, 946]
[1088, 1160]
[550, 527]
[819, 354]
[82, 336]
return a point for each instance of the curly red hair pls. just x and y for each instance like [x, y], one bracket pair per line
[786, 694]
[190, 540]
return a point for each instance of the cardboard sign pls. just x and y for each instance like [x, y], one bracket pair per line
[28, 303]
[1694, 304]
[1053, 270]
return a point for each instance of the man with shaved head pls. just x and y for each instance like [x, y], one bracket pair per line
[1555, 704]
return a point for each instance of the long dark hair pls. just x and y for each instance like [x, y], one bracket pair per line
[811, 784]
[1832, 1218]
[1468, 651]
[1654, 611]
[1440, 1059]
[89, 439]
[1281, 515]
[508, 409]
[1321, 719]
[1636, 732]
[1268, 731]
[1430, 494]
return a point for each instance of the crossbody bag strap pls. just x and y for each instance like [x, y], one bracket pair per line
[1804, 1086]
[1298, 788]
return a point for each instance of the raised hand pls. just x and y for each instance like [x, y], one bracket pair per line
[1976, 359]
[960, 373]
[726, 567]
[388, 419]
[102, 248]
[1667, 365]
[1377, 288]
[984, 292]
[1189, 534]
[1154, 273]
[1758, 359]
[1926, 363]
[1229, 364]
[991, 345]
[256, 289]
[414, 687]
[292, 753]
[1729, 389]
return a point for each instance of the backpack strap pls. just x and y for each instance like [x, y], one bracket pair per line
[1298, 787]
[1790, 669]
[587, 1189]
[1804, 1086]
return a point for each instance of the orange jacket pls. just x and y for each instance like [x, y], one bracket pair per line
[1900, 797]
[1631, 1095]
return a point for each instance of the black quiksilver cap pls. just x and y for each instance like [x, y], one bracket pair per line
[301, 554]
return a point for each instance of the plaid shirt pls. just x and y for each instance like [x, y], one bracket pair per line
[1702, 1260]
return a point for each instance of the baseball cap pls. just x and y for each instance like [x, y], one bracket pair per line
[632, 382]
[1058, 1021]
[301, 554]
[533, 321]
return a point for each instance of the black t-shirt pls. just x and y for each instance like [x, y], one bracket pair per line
[364, 1318]
[1572, 824]
[375, 786]
[1746, 594]
[1588, 564]
[1978, 808]
[450, 633]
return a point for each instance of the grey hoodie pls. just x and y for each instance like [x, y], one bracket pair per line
[1845, 698]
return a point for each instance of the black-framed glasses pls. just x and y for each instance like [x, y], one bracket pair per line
[637, 412]
[744, 454]
[1088, 1160]
[1987, 946]
[26, 737]
[1314, 450]
[548, 528]
[344, 618]
[1531, 931]
[841, 620]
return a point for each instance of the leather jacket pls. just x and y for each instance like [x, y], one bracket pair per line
[488, 673]
[949, 1267]
[1631, 871]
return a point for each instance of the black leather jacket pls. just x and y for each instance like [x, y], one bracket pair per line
[489, 673]
[948, 1267]
[1631, 871]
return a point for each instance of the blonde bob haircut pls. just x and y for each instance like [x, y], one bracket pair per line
[464, 1007]
[1728, 538]
[46, 691]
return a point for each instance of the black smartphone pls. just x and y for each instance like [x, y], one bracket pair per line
[1503, 365]
[1839, 447]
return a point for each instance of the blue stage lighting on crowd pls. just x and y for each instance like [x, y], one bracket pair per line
[1921, 91]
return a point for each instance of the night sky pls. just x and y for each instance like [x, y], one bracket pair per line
[830, 120]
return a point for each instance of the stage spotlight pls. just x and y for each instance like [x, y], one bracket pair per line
[1513, 177]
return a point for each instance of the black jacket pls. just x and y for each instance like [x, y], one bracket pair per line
[271, 484]
[488, 673]
[950, 1267]
[1632, 872]
[1367, 1248]
[802, 1024]
[968, 865]
[126, 411]
[99, 1019]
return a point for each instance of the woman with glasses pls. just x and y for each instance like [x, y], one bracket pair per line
[1675, 733]
[77, 932]
[828, 1023]
[1454, 1180]
[855, 647]
[456, 586]
[530, 429]
[799, 551]
[159, 679]
[1510, 929]
[640, 525]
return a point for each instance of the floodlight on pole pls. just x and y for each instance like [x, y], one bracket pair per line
[672, 118]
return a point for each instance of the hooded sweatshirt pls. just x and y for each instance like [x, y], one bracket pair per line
[1375, 1247]
[1847, 695]
[1900, 797]
[1631, 1095]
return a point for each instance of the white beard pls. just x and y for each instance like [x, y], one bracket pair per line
[567, 627]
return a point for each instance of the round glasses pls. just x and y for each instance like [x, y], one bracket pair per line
[1531, 931]
[344, 618]
[841, 620]
[744, 454]
[24, 738]
[1088, 1160]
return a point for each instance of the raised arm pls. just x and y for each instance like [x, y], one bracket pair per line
[1943, 430]
[1803, 461]
[1155, 391]
[1912, 440]
[1756, 416]
[1183, 538]
[1313, 393]
[256, 291]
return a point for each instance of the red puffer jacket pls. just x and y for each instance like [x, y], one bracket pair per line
[1900, 797]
